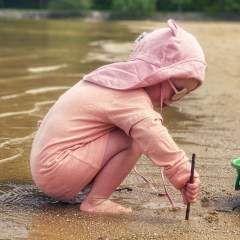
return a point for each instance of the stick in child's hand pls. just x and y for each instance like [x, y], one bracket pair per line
[190, 181]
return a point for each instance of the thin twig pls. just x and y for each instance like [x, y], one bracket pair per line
[190, 181]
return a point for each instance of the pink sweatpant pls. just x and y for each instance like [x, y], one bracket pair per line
[71, 171]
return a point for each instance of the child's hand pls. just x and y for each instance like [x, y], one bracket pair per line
[190, 191]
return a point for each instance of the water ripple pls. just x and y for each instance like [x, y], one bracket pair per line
[26, 196]
[11, 58]
[46, 68]
[35, 91]
[14, 141]
[11, 96]
[36, 76]
[108, 51]
[11, 158]
[46, 89]
[31, 111]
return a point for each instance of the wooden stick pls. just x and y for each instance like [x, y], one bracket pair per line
[190, 181]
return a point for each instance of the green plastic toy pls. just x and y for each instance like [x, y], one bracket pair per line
[236, 164]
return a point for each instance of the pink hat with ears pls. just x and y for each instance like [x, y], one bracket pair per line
[160, 55]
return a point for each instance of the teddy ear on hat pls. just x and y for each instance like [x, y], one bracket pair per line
[140, 37]
[173, 26]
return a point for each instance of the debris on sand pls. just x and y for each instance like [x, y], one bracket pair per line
[205, 202]
[211, 217]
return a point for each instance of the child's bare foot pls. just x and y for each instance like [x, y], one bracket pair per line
[106, 206]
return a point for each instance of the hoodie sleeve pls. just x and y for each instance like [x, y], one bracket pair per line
[156, 143]
[144, 125]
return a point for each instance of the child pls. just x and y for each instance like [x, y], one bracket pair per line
[97, 130]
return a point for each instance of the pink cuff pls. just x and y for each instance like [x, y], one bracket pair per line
[179, 174]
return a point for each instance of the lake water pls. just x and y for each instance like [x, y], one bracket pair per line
[39, 60]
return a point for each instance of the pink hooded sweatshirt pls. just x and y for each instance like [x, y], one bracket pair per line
[114, 96]
[164, 54]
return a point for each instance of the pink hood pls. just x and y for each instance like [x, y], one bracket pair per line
[163, 54]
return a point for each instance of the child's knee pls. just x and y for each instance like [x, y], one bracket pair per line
[134, 150]
[120, 137]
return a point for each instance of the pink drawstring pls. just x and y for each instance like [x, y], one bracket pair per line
[162, 176]
[161, 99]
[146, 181]
[172, 86]
[155, 190]
[166, 192]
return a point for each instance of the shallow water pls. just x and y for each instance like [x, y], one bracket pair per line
[39, 60]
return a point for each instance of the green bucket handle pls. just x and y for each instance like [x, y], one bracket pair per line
[236, 165]
[237, 184]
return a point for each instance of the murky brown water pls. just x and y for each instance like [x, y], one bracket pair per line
[39, 60]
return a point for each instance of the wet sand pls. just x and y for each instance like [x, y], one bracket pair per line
[206, 122]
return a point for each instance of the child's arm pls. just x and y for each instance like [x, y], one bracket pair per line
[155, 142]
[144, 125]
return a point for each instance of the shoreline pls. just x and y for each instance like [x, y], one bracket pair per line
[95, 15]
